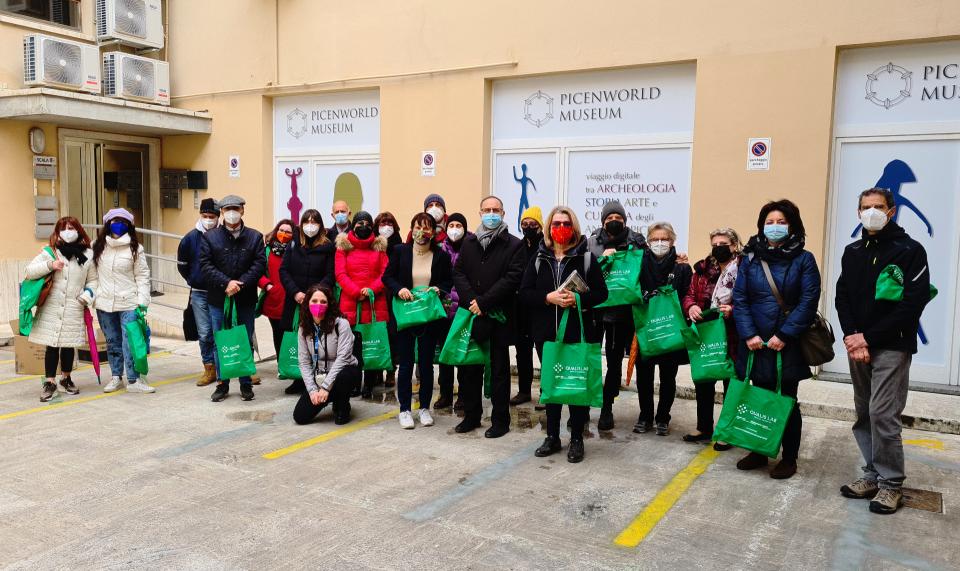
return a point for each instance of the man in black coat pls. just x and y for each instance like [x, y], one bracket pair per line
[487, 277]
[883, 288]
[232, 260]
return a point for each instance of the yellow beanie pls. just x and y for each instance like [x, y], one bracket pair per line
[534, 213]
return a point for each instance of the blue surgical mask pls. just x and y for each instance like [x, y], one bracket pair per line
[775, 232]
[492, 221]
[118, 228]
[341, 218]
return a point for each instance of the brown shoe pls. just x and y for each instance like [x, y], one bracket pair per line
[752, 461]
[887, 501]
[209, 375]
[861, 489]
[254, 380]
[784, 469]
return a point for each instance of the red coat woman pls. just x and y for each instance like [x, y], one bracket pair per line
[360, 262]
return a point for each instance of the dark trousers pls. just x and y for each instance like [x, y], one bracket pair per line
[617, 337]
[524, 364]
[668, 388]
[445, 380]
[306, 411]
[706, 391]
[58, 355]
[425, 339]
[471, 387]
[791, 436]
[579, 415]
[279, 327]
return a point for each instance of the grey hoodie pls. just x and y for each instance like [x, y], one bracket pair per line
[336, 352]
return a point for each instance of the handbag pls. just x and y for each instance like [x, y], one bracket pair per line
[374, 339]
[190, 331]
[754, 418]
[816, 343]
[571, 373]
[288, 362]
[235, 355]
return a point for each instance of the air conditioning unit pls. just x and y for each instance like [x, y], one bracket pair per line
[132, 22]
[54, 62]
[137, 78]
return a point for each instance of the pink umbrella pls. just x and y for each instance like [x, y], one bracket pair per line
[92, 342]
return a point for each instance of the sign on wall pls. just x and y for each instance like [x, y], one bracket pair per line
[341, 123]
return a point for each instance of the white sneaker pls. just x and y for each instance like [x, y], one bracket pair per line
[140, 386]
[406, 419]
[426, 419]
[114, 385]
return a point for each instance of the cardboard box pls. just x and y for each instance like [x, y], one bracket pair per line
[83, 353]
[28, 356]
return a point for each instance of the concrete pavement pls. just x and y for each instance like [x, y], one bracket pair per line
[174, 481]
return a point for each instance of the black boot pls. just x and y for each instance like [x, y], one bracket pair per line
[606, 417]
[575, 451]
[341, 413]
[551, 444]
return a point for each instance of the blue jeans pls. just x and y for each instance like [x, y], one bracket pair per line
[118, 352]
[426, 341]
[245, 316]
[198, 299]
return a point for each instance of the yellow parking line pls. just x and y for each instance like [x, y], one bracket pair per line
[159, 355]
[930, 443]
[82, 400]
[352, 427]
[665, 499]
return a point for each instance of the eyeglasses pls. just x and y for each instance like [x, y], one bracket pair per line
[563, 224]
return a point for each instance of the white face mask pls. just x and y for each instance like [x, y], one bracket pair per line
[873, 219]
[232, 217]
[208, 223]
[436, 212]
[455, 234]
[311, 230]
[660, 247]
[386, 231]
[69, 236]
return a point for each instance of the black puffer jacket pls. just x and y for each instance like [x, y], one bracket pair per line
[885, 324]
[303, 267]
[539, 279]
[224, 258]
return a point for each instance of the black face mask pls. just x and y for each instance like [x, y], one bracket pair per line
[614, 227]
[363, 232]
[531, 234]
[721, 253]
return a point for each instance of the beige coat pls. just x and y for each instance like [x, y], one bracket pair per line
[59, 321]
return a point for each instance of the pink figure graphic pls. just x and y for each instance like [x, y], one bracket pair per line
[294, 204]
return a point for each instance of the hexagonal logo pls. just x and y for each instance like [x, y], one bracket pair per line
[889, 85]
[297, 123]
[538, 109]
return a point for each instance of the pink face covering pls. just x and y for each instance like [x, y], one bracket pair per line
[318, 309]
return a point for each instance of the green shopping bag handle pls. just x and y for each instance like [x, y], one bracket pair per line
[296, 319]
[229, 313]
[779, 369]
[373, 309]
[562, 330]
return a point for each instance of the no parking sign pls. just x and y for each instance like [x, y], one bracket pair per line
[758, 154]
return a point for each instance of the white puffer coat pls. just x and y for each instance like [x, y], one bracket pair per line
[124, 283]
[59, 321]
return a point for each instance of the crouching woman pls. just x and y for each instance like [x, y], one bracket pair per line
[327, 363]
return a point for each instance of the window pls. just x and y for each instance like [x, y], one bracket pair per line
[63, 12]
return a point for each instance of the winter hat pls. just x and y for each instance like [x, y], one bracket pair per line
[612, 207]
[457, 217]
[117, 213]
[361, 216]
[534, 213]
[231, 200]
[209, 206]
[434, 198]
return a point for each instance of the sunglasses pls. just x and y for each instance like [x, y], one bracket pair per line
[561, 224]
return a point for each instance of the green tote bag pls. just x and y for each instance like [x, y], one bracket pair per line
[659, 323]
[621, 271]
[375, 340]
[288, 361]
[571, 373]
[460, 348]
[137, 341]
[30, 295]
[754, 418]
[235, 356]
[423, 308]
[707, 347]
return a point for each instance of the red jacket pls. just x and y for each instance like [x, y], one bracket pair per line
[276, 297]
[360, 264]
[705, 277]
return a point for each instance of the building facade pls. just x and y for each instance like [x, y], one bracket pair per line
[693, 112]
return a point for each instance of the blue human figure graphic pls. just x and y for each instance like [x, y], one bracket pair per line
[523, 180]
[895, 175]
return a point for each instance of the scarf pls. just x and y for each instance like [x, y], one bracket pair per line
[278, 247]
[663, 267]
[74, 250]
[723, 292]
[786, 251]
[486, 236]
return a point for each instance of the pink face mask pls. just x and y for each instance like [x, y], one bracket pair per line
[318, 309]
